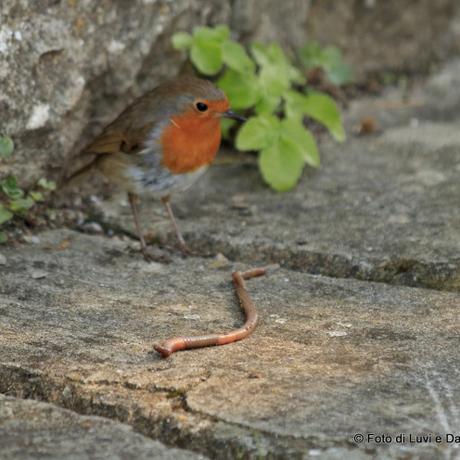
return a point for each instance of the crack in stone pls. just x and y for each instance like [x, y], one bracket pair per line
[25, 383]
[399, 271]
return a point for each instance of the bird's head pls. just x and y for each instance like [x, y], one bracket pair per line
[198, 99]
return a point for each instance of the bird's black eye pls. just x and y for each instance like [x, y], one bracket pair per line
[201, 106]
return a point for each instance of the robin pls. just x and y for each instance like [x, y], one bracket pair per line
[161, 144]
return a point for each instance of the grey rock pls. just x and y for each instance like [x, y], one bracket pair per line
[31, 239]
[93, 228]
[38, 274]
[31, 430]
[270, 20]
[389, 35]
[297, 388]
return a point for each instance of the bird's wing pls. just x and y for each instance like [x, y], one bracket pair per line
[127, 133]
[116, 140]
[124, 135]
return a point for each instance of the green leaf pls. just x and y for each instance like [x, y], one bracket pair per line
[273, 83]
[296, 76]
[206, 52]
[275, 76]
[312, 55]
[5, 215]
[235, 56]
[258, 51]
[272, 58]
[294, 104]
[207, 57]
[340, 74]
[226, 125]
[318, 106]
[22, 204]
[302, 140]
[279, 57]
[10, 187]
[337, 71]
[182, 40]
[222, 32]
[216, 35]
[273, 80]
[36, 196]
[323, 108]
[281, 165]
[47, 184]
[267, 104]
[241, 90]
[6, 147]
[3, 238]
[257, 133]
[268, 54]
[330, 59]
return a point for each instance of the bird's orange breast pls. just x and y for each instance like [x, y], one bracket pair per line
[190, 142]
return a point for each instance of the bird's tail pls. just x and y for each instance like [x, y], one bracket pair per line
[77, 177]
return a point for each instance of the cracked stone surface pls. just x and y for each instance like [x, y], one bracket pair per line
[330, 358]
[31, 430]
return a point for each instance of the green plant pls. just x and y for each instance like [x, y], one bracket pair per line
[312, 55]
[6, 147]
[265, 82]
[14, 201]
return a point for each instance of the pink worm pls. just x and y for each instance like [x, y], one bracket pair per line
[169, 346]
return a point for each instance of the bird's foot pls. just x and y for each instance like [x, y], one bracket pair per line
[155, 254]
[184, 249]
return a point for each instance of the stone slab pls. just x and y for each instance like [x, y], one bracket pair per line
[435, 99]
[31, 430]
[330, 358]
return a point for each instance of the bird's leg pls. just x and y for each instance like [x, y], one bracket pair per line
[182, 244]
[149, 256]
[133, 202]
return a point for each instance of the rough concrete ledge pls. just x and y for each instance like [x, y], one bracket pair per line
[31, 430]
[331, 357]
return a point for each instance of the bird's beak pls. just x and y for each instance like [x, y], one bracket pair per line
[234, 116]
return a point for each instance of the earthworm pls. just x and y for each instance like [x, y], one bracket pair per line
[169, 346]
